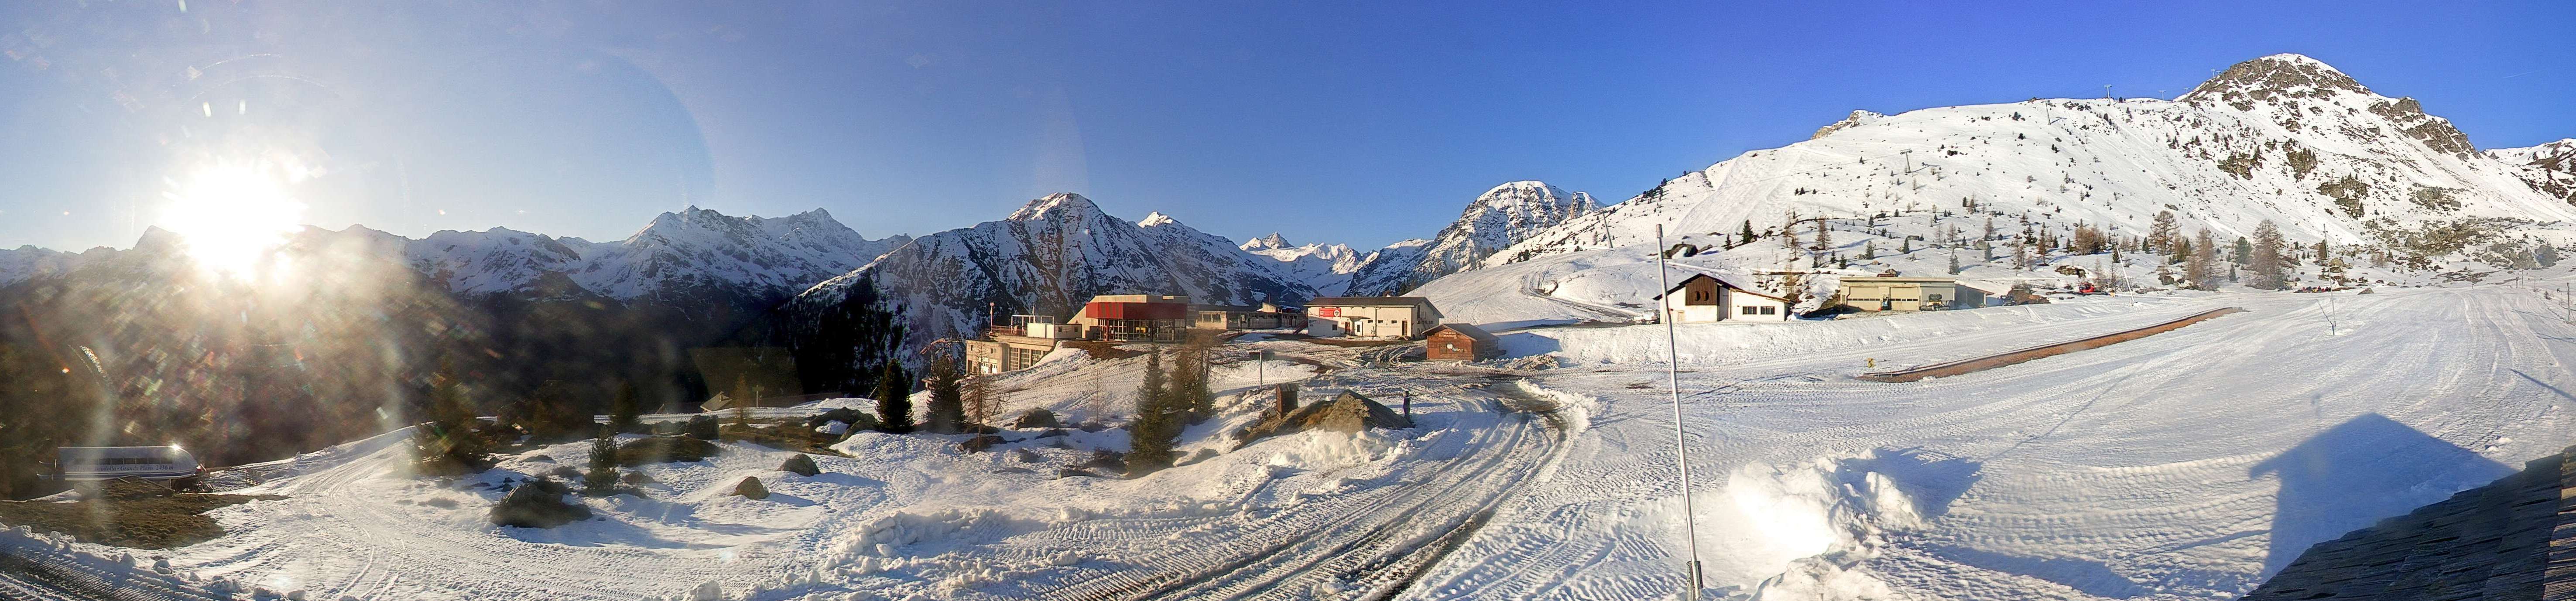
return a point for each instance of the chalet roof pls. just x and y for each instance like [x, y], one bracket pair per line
[1418, 303]
[1470, 330]
[2492, 542]
[1721, 282]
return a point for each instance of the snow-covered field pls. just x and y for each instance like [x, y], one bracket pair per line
[2182, 465]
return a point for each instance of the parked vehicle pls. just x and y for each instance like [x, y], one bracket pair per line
[90, 464]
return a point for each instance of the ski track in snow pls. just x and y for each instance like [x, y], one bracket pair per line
[2133, 470]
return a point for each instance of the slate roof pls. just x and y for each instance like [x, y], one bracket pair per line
[2514, 539]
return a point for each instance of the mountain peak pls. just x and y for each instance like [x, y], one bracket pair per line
[1052, 205]
[2272, 78]
[1156, 219]
[1274, 240]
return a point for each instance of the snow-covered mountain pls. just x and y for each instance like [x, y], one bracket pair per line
[1497, 219]
[1325, 267]
[2549, 168]
[2284, 138]
[1051, 256]
[19, 264]
[693, 250]
[703, 249]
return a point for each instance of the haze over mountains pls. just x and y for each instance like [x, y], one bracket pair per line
[2283, 138]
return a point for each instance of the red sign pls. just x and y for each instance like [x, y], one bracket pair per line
[1328, 311]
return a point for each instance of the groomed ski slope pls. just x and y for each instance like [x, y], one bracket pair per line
[2179, 466]
[2182, 465]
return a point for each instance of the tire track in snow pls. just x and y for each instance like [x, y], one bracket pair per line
[1322, 553]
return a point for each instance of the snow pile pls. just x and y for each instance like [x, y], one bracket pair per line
[1325, 449]
[889, 535]
[1796, 530]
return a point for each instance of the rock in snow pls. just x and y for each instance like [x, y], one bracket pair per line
[750, 488]
[801, 465]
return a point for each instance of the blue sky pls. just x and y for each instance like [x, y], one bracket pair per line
[1362, 123]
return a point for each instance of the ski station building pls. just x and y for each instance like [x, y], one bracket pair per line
[1907, 294]
[1370, 317]
[1704, 298]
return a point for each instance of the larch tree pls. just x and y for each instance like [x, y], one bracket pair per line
[1986, 243]
[2267, 268]
[2164, 233]
[2201, 269]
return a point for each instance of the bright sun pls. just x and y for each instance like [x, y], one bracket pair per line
[230, 216]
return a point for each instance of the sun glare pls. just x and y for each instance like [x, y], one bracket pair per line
[230, 216]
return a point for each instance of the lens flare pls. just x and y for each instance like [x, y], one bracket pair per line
[230, 216]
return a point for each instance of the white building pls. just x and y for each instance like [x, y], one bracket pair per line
[1370, 316]
[1704, 298]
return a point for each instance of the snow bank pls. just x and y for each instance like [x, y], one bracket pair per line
[1798, 530]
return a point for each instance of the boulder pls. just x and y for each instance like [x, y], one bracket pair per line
[1036, 419]
[802, 465]
[702, 427]
[565, 472]
[636, 479]
[663, 449]
[1109, 461]
[538, 504]
[980, 444]
[750, 488]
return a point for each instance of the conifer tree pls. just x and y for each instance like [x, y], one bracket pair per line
[625, 411]
[894, 400]
[1824, 237]
[1954, 262]
[602, 479]
[1746, 236]
[947, 398]
[1157, 428]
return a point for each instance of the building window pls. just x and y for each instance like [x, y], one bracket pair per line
[1748, 310]
[1770, 310]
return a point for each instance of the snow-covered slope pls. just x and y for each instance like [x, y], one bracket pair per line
[1497, 219]
[2283, 138]
[1325, 267]
[2399, 195]
[2549, 168]
[1053, 255]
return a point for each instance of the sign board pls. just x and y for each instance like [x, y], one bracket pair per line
[1328, 311]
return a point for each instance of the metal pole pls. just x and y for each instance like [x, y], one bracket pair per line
[1681, 446]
